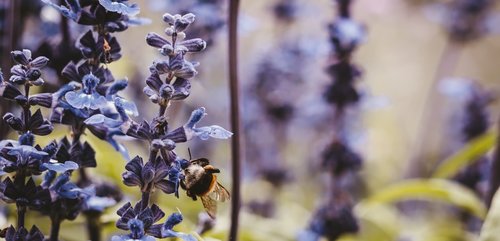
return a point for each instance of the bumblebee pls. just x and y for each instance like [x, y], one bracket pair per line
[200, 181]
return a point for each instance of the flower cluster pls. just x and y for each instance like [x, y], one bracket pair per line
[56, 197]
[169, 81]
[211, 13]
[470, 121]
[467, 19]
[286, 10]
[91, 92]
[345, 36]
[339, 158]
[91, 101]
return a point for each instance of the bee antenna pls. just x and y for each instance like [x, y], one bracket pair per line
[189, 151]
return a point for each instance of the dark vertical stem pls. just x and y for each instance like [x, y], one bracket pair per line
[19, 182]
[145, 200]
[152, 156]
[235, 117]
[54, 229]
[494, 181]
[64, 28]
[93, 227]
[344, 8]
[21, 211]
[26, 108]
[9, 38]
[83, 179]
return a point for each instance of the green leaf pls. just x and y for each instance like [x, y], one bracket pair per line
[491, 226]
[434, 190]
[466, 156]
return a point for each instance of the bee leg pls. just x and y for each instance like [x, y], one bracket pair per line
[191, 195]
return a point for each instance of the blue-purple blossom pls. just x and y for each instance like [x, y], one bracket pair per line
[142, 222]
[71, 13]
[27, 69]
[29, 195]
[148, 176]
[91, 47]
[166, 48]
[60, 167]
[161, 93]
[67, 199]
[114, 16]
[22, 234]
[204, 132]
[99, 204]
[87, 97]
[175, 174]
[81, 154]
[22, 156]
[178, 23]
[120, 7]
[167, 228]
[346, 35]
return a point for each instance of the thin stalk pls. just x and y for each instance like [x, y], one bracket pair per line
[494, 181]
[235, 117]
[19, 182]
[54, 229]
[145, 200]
[21, 212]
[64, 28]
[26, 107]
[83, 179]
[344, 8]
[432, 109]
[8, 43]
[93, 226]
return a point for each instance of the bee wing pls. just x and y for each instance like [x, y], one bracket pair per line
[210, 205]
[219, 193]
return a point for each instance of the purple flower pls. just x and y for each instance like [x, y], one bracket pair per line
[148, 176]
[120, 7]
[29, 195]
[339, 158]
[81, 154]
[161, 93]
[27, 70]
[22, 234]
[23, 156]
[36, 124]
[91, 46]
[141, 223]
[87, 97]
[113, 16]
[204, 132]
[177, 22]
[346, 35]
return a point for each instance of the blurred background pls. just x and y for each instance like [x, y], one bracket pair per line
[415, 82]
